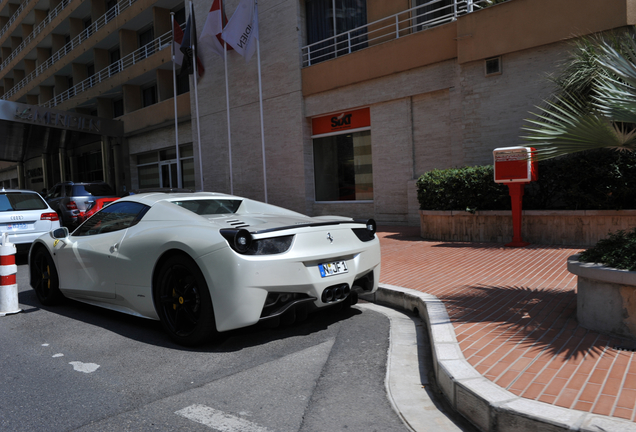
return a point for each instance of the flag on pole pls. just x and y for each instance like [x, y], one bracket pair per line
[188, 48]
[177, 38]
[213, 27]
[241, 32]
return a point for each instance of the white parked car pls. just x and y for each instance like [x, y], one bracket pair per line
[206, 262]
[24, 216]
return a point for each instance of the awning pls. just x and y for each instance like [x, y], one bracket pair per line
[27, 131]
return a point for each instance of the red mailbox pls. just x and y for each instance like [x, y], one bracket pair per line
[515, 167]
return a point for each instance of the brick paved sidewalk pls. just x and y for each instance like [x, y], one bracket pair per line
[514, 313]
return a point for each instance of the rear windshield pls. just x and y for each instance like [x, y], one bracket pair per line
[15, 201]
[99, 189]
[210, 206]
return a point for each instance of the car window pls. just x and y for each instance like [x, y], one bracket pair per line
[115, 217]
[15, 201]
[68, 190]
[210, 206]
[55, 193]
[96, 189]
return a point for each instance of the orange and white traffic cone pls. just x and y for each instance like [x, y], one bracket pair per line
[8, 284]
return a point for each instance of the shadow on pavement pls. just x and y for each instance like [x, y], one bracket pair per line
[151, 332]
[541, 319]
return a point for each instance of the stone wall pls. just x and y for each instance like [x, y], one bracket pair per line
[572, 228]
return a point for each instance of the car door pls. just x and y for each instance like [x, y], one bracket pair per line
[87, 261]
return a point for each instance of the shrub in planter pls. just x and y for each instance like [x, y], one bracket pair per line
[617, 251]
[594, 180]
[467, 188]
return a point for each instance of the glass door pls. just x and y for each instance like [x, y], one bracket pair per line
[169, 174]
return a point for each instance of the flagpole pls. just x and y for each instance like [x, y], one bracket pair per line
[176, 122]
[260, 99]
[196, 94]
[229, 130]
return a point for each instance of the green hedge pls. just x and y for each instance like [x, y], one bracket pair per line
[595, 180]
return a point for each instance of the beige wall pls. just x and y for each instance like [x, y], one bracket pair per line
[522, 24]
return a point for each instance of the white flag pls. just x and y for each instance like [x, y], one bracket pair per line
[241, 31]
[211, 34]
[177, 38]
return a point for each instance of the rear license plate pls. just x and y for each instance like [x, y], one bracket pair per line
[333, 268]
[17, 226]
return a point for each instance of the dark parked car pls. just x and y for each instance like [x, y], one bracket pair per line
[70, 200]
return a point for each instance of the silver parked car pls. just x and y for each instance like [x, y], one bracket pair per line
[24, 216]
[70, 200]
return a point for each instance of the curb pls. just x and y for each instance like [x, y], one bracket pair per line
[488, 406]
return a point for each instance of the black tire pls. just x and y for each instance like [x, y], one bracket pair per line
[183, 302]
[44, 279]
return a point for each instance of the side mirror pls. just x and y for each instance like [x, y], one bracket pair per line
[59, 233]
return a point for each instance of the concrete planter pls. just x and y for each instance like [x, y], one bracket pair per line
[557, 227]
[606, 298]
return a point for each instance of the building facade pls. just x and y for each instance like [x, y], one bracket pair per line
[359, 98]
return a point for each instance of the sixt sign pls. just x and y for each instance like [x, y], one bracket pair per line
[342, 121]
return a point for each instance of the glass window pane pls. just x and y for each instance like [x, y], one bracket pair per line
[186, 151]
[168, 154]
[147, 158]
[187, 173]
[343, 167]
[148, 176]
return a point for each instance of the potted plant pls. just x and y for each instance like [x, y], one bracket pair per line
[606, 285]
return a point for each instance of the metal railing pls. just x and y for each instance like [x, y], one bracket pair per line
[70, 46]
[14, 17]
[427, 15]
[36, 31]
[160, 43]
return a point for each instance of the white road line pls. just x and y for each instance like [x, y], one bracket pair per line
[84, 367]
[219, 420]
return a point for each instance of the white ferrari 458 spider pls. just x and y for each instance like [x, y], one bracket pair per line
[203, 263]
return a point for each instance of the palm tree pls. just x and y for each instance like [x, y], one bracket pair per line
[595, 102]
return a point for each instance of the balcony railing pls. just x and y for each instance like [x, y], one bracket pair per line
[36, 31]
[427, 15]
[70, 46]
[14, 17]
[160, 43]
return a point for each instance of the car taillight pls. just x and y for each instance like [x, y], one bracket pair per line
[49, 216]
[71, 205]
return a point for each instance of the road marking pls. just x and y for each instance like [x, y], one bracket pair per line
[219, 420]
[84, 367]
[58, 355]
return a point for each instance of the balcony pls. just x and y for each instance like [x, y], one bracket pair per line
[425, 16]
[462, 31]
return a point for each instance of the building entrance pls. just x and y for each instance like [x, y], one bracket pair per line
[47, 146]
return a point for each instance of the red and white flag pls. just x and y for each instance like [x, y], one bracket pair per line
[211, 35]
[177, 38]
[241, 32]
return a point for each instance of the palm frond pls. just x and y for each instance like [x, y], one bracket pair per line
[562, 128]
[595, 103]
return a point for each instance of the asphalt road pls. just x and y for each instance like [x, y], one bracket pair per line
[78, 367]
